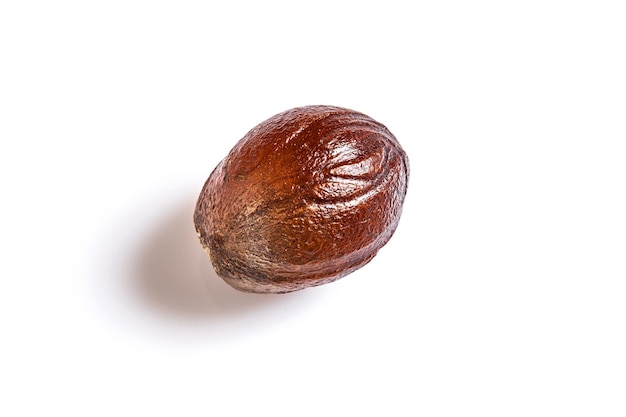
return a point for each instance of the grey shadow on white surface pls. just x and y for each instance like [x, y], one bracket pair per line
[174, 275]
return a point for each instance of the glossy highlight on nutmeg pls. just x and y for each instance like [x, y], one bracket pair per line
[303, 199]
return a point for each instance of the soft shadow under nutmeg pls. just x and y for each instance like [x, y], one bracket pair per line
[174, 276]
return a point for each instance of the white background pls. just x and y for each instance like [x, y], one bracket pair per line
[502, 292]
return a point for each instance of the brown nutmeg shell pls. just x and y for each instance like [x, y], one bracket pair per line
[305, 198]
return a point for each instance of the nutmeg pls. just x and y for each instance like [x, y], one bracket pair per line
[306, 197]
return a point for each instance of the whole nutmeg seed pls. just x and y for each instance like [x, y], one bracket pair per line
[305, 198]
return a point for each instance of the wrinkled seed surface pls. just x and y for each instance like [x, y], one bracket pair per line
[305, 198]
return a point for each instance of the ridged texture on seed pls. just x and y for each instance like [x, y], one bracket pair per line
[305, 198]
